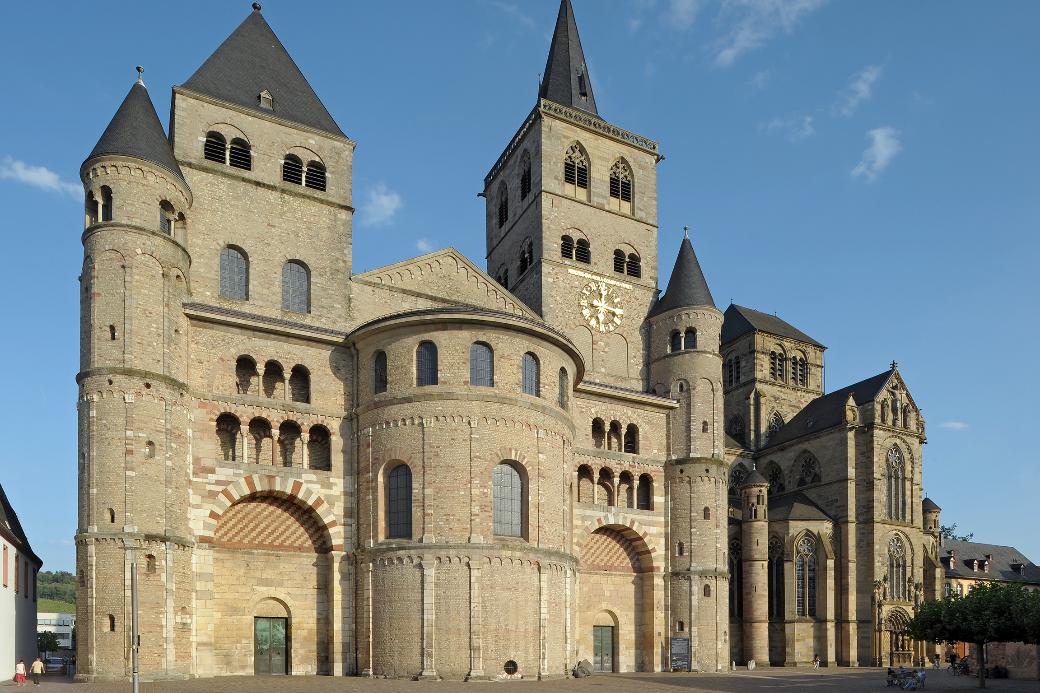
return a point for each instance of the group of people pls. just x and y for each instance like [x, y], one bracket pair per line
[36, 669]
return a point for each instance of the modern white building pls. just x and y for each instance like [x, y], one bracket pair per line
[17, 592]
[58, 623]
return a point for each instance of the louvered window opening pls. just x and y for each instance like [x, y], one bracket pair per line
[379, 373]
[567, 247]
[296, 290]
[426, 364]
[399, 503]
[234, 274]
[582, 251]
[621, 189]
[633, 267]
[315, 176]
[525, 179]
[239, 155]
[481, 365]
[215, 148]
[292, 170]
[503, 211]
[507, 501]
[529, 375]
[619, 261]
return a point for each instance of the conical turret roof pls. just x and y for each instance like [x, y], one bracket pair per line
[252, 60]
[566, 78]
[686, 286]
[135, 131]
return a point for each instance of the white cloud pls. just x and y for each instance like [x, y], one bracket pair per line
[682, 13]
[884, 145]
[794, 128]
[380, 205]
[954, 425]
[761, 79]
[423, 245]
[514, 12]
[37, 176]
[754, 22]
[859, 90]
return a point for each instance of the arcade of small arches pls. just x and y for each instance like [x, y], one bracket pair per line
[273, 383]
[612, 438]
[100, 207]
[622, 490]
[238, 153]
[258, 444]
[683, 340]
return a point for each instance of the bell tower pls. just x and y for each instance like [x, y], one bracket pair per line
[572, 217]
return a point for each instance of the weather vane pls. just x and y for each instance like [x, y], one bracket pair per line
[140, 75]
[686, 231]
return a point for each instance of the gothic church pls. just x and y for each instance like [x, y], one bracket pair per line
[439, 470]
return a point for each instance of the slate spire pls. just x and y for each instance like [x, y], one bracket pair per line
[135, 131]
[686, 286]
[566, 78]
[251, 61]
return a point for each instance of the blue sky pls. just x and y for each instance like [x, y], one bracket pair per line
[866, 170]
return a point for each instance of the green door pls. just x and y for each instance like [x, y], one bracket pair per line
[603, 648]
[270, 646]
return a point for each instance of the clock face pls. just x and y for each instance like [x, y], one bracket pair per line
[601, 307]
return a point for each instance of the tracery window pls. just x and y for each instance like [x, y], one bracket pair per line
[776, 422]
[736, 580]
[529, 375]
[805, 577]
[567, 247]
[576, 172]
[507, 501]
[897, 579]
[399, 502]
[621, 187]
[808, 470]
[895, 483]
[481, 365]
[776, 577]
[736, 479]
[776, 478]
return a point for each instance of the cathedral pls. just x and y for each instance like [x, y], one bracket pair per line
[439, 470]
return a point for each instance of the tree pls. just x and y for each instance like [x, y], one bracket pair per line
[950, 532]
[47, 642]
[988, 613]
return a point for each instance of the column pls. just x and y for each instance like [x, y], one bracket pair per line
[476, 655]
[543, 621]
[365, 622]
[429, 614]
[334, 601]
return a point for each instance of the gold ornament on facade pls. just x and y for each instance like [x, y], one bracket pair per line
[601, 307]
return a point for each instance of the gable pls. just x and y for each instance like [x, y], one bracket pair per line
[442, 278]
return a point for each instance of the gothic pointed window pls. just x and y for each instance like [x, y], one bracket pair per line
[776, 422]
[576, 172]
[503, 205]
[526, 256]
[736, 580]
[619, 261]
[481, 365]
[808, 469]
[736, 479]
[776, 578]
[503, 276]
[895, 483]
[775, 475]
[292, 170]
[525, 175]
[805, 577]
[399, 502]
[315, 179]
[234, 273]
[897, 577]
[567, 247]
[296, 287]
[621, 187]
[582, 251]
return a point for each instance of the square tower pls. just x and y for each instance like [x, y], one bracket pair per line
[572, 218]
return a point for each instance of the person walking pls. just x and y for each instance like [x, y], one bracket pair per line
[19, 673]
[816, 661]
[36, 670]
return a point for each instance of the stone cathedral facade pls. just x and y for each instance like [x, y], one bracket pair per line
[434, 469]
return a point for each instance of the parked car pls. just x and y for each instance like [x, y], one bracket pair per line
[53, 664]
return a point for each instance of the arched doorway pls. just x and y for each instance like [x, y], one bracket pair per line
[616, 601]
[272, 568]
[899, 645]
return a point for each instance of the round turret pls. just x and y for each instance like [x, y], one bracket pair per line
[754, 493]
[930, 514]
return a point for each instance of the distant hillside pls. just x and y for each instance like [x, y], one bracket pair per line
[58, 585]
[48, 606]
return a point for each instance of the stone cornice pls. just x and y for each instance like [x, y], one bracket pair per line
[262, 323]
[591, 387]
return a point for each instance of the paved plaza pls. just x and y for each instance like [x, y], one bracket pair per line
[843, 680]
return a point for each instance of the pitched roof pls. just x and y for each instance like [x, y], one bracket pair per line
[11, 528]
[686, 286]
[965, 552]
[828, 410]
[252, 60]
[566, 78]
[795, 506]
[135, 131]
[739, 320]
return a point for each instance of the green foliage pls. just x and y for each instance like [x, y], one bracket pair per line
[55, 606]
[47, 642]
[59, 585]
[950, 532]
